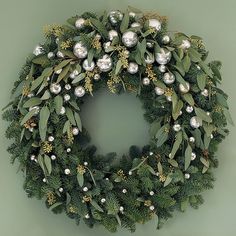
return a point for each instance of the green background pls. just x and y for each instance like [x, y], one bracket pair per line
[20, 29]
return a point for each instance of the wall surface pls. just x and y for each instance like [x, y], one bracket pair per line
[20, 29]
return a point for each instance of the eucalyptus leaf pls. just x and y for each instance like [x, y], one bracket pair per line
[28, 116]
[186, 63]
[194, 55]
[118, 66]
[168, 181]
[55, 205]
[70, 116]
[188, 153]
[228, 116]
[178, 141]
[63, 74]
[96, 206]
[202, 114]
[80, 179]
[66, 126]
[46, 95]
[48, 164]
[37, 82]
[62, 64]
[43, 120]
[78, 121]
[221, 99]
[58, 101]
[78, 78]
[188, 98]
[173, 162]
[99, 26]
[125, 22]
[201, 80]
[34, 101]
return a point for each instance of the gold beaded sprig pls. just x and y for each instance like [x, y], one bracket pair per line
[47, 147]
[150, 73]
[51, 199]
[66, 44]
[54, 29]
[81, 169]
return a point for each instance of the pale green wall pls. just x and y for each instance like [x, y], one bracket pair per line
[20, 29]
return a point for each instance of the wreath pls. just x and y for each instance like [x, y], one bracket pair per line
[125, 52]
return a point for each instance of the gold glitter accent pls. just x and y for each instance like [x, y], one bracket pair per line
[51, 199]
[26, 90]
[72, 209]
[198, 42]
[121, 174]
[81, 169]
[70, 136]
[29, 124]
[162, 178]
[87, 198]
[66, 44]
[166, 130]
[111, 83]
[150, 73]
[169, 92]
[47, 147]
[54, 29]
[96, 43]
[147, 203]
[218, 109]
[88, 85]
[123, 55]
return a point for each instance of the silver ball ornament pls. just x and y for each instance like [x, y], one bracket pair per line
[63, 111]
[162, 68]
[132, 14]
[80, 50]
[185, 44]
[151, 208]
[50, 55]
[187, 176]
[67, 86]
[112, 34]
[60, 54]
[154, 23]
[121, 208]
[184, 88]
[67, 97]
[85, 189]
[115, 17]
[106, 45]
[193, 156]
[55, 88]
[87, 66]
[60, 190]
[195, 122]
[151, 193]
[97, 77]
[146, 81]
[150, 44]
[166, 39]
[189, 109]
[104, 63]
[135, 25]
[205, 93]
[124, 190]
[149, 58]
[53, 157]
[79, 91]
[192, 139]
[32, 157]
[68, 150]
[67, 171]
[169, 98]
[50, 138]
[75, 131]
[38, 50]
[163, 57]
[177, 127]
[44, 180]
[80, 22]
[87, 216]
[129, 39]
[132, 68]
[85, 163]
[168, 78]
[159, 91]
[103, 200]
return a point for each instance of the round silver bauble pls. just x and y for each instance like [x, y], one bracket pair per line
[154, 23]
[163, 57]
[162, 68]
[192, 139]
[195, 122]
[88, 66]
[104, 63]
[150, 44]
[129, 39]
[60, 54]
[177, 127]
[132, 68]
[193, 156]
[51, 55]
[166, 39]
[135, 25]
[75, 131]
[80, 50]
[185, 44]
[168, 78]
[149, 58]
[67, 97]
[106, 45]
[79, 91]
[159, 91]
[115, 17]
[38, 50]
[55, 88]
[63, 111]
[67, 171]
[97, 77]
[146, 81]
[184, 88]
[79, 24]
[132, 14]
[205, 93]
[189, 109]
[67, 86]
[112, 34]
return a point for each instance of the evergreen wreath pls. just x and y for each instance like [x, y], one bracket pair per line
[124, 52]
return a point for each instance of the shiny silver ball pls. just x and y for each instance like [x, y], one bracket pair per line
[187, 176]
[80, 50]
[166, 39]
[124, 190]
[75, 131]
[87, 216]
[129, 39]
[162, 68]
[106, 45]
[168, 78]
[169, 98]
[184, 88]
[151, 193]
[68, 150]
[60, 54]
[67, 97]
[79, 91]
[132, 68]
[63, 111]
[50, 138]
[195, 122]
[151, 208]
[38, 50]
[60, 190]
[67, 86]
[112, 34]
[104, 63]
[135, 25]
[130, 172]
[87, 66]
[132, 14]
[155, 24]
[55, 88]
[115, 17]
[189, 109]
[31, 129]
[149, 58]
[193, 156]
[205, 93]
[177, 127]
[85, 189]
[44, 180]
[67, 171]
[53, 157]
[163, 57]
[159, 91]
[51, 55]
[79, 24]
[97, 77]
[103, 200]
[185, 44]
[32, 157]
[85, 163]
[121, 208]
[146, 81]
[192, 139]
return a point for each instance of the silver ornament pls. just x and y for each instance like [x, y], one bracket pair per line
[67, 86]
[155, 24]
[166, 39]
[87, 216]
[168, 78]
[106, 45]
[60, 54]
[35, 108]
[163, 57]
[149, 58]
[132, 68]
[132, 14]
[32, 157]
[184, 88]
[79, 91]
[124, 190]
[129, 39]
[146, 81]
[87, 66]
[189, 109]
[67, 97]
[48, 78]
[68, 150]
[198, 67]
[63, 110]
[205, 93]
[97, 77]
[177, 127]
[57, 40]
[130, 172]
[98, 36]
[53, 157]
[115, 17]
[185, 44]
[159, 91]
[38, 50]
[31, 129]
[112, 34]
[135, 25]
[187, 176]
[85, 163]
[75, 131]
[85, 189]
[80, 50]
[162, 68]
[51, 55]
[79, 24]
[103, 200]
[55, 88]
[67, 171]
[151, 193]
[193, 156]
[150, 44]
[151, 208]
[151, 153]
[50, 138]
[60, 190]
[44, 180]
[72, 75]
[104, 63]
[192, 139]
[121, 208]
[169, 98]
[195, 122]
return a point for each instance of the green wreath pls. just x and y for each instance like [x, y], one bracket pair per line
[124, 52]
